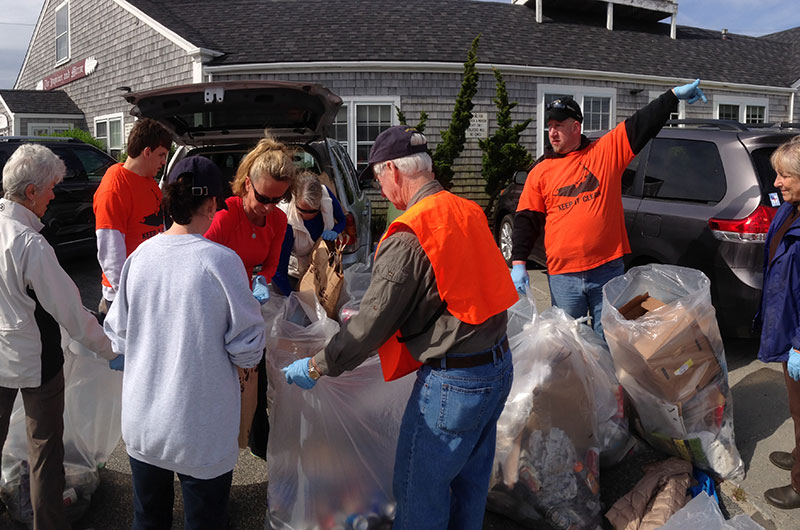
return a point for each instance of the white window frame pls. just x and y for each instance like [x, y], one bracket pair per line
[107, 118]
[352, 102]
[51, 127]
[65, 59]
[742, 102]
[578, 92]
[654, 94]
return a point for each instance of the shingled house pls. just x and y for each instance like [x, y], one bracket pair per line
[613, 56]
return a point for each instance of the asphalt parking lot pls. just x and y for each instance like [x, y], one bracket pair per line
[761, 420]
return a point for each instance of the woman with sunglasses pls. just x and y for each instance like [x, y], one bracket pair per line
[254, 228]
[313, 213]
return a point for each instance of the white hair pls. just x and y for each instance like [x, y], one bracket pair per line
[308, 189]
[411, 166]
[31, 164]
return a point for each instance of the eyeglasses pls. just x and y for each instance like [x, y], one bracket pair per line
[264, 199]
[303, 210]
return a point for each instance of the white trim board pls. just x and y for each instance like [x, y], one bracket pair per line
[442, 67]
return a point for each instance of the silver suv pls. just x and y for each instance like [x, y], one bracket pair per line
[224, 120]
[699, 195]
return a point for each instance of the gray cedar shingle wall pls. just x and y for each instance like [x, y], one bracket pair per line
[129, 53]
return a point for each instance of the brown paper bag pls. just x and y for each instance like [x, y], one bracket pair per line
[324, 275]
[248, 384]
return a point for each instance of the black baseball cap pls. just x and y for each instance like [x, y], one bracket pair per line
[394, 142]
[205, 174]
[562, 108]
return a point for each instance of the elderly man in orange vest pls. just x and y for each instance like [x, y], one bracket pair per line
[431, 311]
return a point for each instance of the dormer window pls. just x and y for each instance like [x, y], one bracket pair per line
[62, 33]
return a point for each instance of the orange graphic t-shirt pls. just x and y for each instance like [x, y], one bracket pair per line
[581, 196]
[129, 203]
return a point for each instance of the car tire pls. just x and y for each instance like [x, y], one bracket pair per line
[504, 237]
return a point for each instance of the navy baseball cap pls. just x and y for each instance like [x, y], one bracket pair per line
[562, 108]
[205, 174]
[394, 142]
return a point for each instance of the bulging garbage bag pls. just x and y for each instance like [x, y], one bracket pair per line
[92, 429]
[668, 353]
[331, 449]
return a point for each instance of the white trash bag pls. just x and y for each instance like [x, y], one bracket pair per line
[331, 449]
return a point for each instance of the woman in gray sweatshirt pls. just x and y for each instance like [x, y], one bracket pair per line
[184, 318]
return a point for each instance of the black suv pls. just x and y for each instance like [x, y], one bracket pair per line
[699, 195]
[69, 220]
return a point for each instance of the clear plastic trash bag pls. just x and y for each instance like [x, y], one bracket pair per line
[703, 512]
[92, 429]
[671, 362]
[331, 449]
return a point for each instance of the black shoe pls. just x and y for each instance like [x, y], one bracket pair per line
[782, 459]
[785, 498]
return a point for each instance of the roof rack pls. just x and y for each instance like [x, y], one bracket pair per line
[39, 139]
[774, 125]
[723, 125]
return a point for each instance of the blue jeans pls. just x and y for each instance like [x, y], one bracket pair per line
[579, 293]
[205, 502]
[446, 444]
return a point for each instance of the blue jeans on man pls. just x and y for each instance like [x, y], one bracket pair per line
[579, 293]
[445, 448]
[205, 502]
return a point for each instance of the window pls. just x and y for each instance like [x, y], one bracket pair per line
[46, 129]
[359, 121]
[629, 175]
[597, 104]
[62, 33]
[741, 109]
[108, 129]
[684, 170]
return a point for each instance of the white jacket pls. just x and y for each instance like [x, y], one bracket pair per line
[29, 265]
[301, 251]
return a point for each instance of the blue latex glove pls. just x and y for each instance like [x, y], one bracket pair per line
[519, 275]
[117, 363]
[260, 289]
[793, 366]
[297, 373]
[330, 235]
[690, 92]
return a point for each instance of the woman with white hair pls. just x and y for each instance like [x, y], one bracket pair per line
[37, 296]
[313, 213]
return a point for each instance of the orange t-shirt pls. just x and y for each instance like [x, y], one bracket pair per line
[129, 203]
[581, 197]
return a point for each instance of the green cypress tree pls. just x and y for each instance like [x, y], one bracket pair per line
[503, 155]
[420, 126]
[454, 138]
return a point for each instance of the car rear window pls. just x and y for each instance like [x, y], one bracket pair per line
[766, 174]
[684, 170]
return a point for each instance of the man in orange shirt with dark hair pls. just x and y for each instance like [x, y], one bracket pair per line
[574, 193]
[127, 204]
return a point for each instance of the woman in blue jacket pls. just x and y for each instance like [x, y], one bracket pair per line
[780, 308]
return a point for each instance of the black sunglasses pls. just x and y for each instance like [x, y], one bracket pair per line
[264, 199]
[303, 210]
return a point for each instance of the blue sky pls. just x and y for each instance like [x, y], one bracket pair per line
[18, 19]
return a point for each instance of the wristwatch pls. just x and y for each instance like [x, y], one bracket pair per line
[313, 373]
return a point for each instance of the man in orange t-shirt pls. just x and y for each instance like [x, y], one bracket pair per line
[127, 204]
[574, 193]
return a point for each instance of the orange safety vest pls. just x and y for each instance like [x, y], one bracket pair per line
[471, 274]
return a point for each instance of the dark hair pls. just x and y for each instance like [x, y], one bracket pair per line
[147, 133]
[178, 201]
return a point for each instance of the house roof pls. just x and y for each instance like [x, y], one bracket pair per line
[274, 31]
[790, 37]
[39, 102]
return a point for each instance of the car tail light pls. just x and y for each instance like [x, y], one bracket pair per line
[349, 235]
[752, 228]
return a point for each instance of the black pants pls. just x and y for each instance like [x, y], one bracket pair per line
[259, 433]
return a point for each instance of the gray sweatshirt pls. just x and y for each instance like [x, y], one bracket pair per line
[184, 317]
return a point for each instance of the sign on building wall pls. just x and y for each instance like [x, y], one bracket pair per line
[478, 126]
[68, 74]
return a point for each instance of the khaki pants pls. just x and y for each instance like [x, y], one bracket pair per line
[44, 422]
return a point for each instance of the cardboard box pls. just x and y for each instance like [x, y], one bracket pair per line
[673, 358]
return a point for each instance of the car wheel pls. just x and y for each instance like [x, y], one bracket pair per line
[504, 237]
